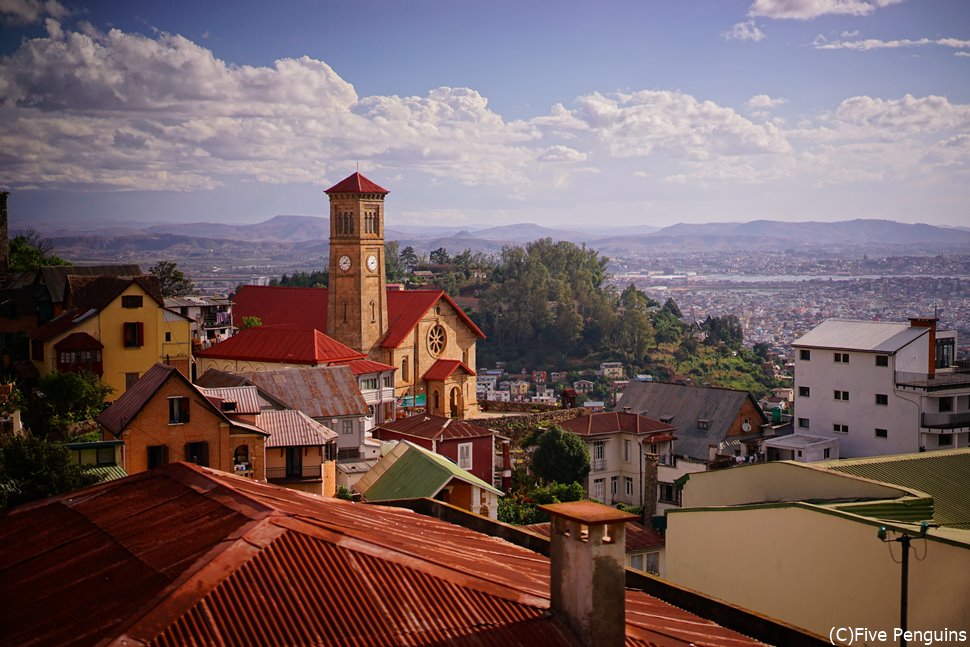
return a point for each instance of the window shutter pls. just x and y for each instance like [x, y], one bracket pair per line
[183, 410]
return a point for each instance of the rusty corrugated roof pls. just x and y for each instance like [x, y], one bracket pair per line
[184, 554]
[123, 410]
[609, 422]
[434, 428]
[319, 392]
[291, 428]
[638, 536]
[246, 398]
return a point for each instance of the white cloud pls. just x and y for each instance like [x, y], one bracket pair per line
[874, 43]
[744, 31]
[560, 153]
[961, 53]
[850, 34]
[809, 9]
[764, 102]
[25, 12]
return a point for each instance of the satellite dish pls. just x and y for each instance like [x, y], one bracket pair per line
[746, 427]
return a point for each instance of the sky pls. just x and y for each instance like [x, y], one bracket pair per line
[475, 113]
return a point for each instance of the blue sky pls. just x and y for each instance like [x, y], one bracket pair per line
[482, 113]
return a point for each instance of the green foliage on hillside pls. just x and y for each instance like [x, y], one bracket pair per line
[65, 399]
[303, 280]
[171, 279]
[32, 468]
[560, 456]
[30, 251]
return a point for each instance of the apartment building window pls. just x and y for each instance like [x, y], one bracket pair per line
[626, 451]
[805, 355]
[157, 456]
[652, 564]
[803, 423]
[669, 493]
[613, 484]
[178, 411]
[882, 360]
[465, 456]
[945, 352]
[133, 334]
[599, 490]
[804, 392]
[842, 429]
[197, 453]
[132, 301]
[946, 440]
[882, 433]
[628, 482]
[882, 399]
[599, 455]
[946, 405]
[841, 358]
[841, 395]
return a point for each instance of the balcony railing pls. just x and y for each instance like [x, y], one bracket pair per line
[946, 420]
[599, 464]
[284, 473]
[940, 381]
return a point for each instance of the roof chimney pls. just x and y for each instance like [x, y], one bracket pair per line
[928, 322]
[627, 409]
[4, 242]
[711, 453]
[651, 463]
[587, 550]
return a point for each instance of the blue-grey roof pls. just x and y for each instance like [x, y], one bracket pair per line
[867, 336]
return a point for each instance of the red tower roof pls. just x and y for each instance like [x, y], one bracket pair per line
[356, 183]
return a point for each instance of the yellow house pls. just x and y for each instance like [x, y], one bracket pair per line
[115, 327]
[817, 543]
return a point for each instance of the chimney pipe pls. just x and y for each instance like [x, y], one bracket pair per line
[4, 235]
[587, 548]
[506, 466]
[711, 453]
[650, 465]
[928, 322]
[627, 409]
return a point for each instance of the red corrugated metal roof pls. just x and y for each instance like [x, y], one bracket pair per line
[638, 536]
[356, 183]
[364, 366]
[444, 368]
[123, 410]
[405, 308]
[274, 305]
[78, 341]
[183, 554]
[283, 345]
[608, 422]
[434, 428]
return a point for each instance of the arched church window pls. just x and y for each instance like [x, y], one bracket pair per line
[404, 368]
[437, 339]
[373, 312]
[345, 312]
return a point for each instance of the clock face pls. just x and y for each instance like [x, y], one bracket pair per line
[372, 263]
[344, 263]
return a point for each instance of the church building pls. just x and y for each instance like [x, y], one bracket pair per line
[422, 333]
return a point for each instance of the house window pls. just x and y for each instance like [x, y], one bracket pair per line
[804, 392]
[842, 429]
[168, 336]
[944, 352]
[197, 453]
[131, 301]
[178, 411]
[636, 562]
[157, 456]
[134, 334]
[368, 383]
[106, 455]
[465, 456]
[882, 399]
[388, 381]
[613, 484]
[669, 493]
[130, 379]
[946, 440]
[703, 424]
[882, 360]
[882, 433]
[626, 450]
[841, 358]
[826, 453]
[803, 423]
[628, 482]
[347, 427]
[946, 405]
[842, 395]
[805, 355]
[599, 490]
[652, 563]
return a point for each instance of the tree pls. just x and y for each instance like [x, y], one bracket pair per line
[408, 259]
[440, 256]
[33, 468]
[173, 282]
[29, 251]
[561, 457]
[393, 268]
[65, 399]
[251, 321]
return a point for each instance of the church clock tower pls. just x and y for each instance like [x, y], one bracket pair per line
[357, 295]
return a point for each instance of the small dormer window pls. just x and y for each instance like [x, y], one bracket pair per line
[703, 423]
[228, 405]
[667, 417]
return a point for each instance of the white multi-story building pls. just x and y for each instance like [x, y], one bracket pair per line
[881, 388]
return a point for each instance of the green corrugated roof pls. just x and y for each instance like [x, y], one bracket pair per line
[107, 472]
[944, 475]
[418, 473]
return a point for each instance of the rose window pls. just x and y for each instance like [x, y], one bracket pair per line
[436, 339]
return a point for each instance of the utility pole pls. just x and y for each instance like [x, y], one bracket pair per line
[904, 541]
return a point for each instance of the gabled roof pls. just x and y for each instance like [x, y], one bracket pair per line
[98, 291]
[54, 277]
[365, 366]
[281, 344]
[868, 336]
[687, 405]
[291, 428]
[319, 392]
[307, 308]
[78, 341]
[613, 422]
[184, 551]
[435, 428]
[246, 398]
[123, 410]
[356, 183]
[62, 324]
[412, 472]
[442, 369]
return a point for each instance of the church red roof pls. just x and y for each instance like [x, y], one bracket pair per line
[307, 308]
[444, 368]
[356, 183]
[282, 344]
[365, 366]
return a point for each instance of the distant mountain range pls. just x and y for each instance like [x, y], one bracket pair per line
[306, 233]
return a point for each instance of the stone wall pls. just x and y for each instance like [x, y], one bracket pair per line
[517, 426]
